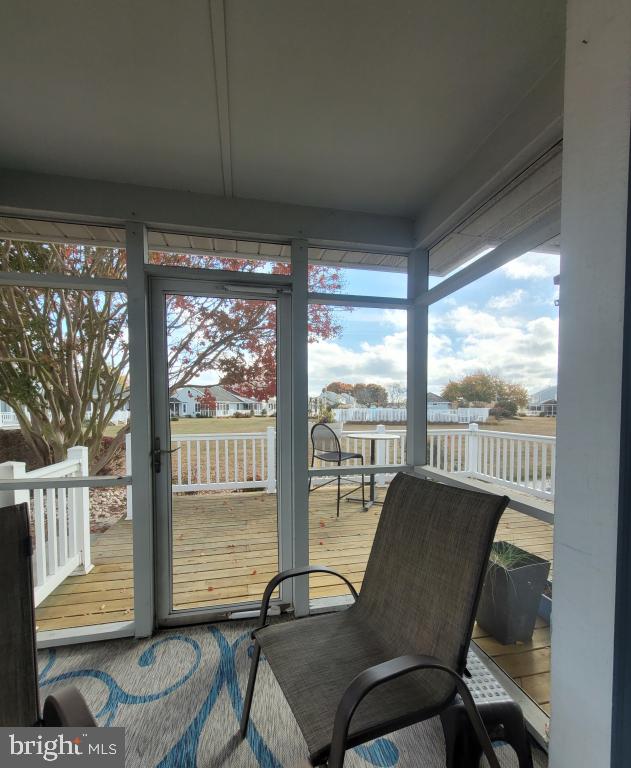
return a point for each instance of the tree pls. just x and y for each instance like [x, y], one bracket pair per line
[340, 388]
[397, 393]
[64, 353]
[370, 394]
[484, 387]
[207, 401]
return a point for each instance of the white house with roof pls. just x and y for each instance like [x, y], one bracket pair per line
[543, 402]
[437, 403]
[185, 402]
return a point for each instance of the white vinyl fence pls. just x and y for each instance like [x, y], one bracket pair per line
[238, 461]
[60, 520]
[8, 419]
[400, 415]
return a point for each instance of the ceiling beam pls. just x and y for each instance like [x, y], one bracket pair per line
[220, 61]
[525, 134]
[33, 195]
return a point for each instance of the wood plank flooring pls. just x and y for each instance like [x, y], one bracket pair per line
[225, 551]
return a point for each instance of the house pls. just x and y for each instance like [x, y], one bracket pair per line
[427, 143]
[185, 402]
[437, 403]
[543, 402]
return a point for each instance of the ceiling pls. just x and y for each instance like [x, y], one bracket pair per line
[361, 105]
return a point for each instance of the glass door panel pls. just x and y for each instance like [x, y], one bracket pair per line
[215, 446]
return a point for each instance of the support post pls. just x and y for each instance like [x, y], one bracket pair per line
[418, 272]
[128, 472]
[300, 432]
[271, 460]
[142, 480]
[11, 470]
[82, 508]
[473, 451]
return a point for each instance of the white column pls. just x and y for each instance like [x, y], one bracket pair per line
[82, 508]
[380, 454]
[11, 470]
[592, 294]
[473, 452]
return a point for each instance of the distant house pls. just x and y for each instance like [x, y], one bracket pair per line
[328, 399]
[543, 402]
[437, 403]
[185, 402]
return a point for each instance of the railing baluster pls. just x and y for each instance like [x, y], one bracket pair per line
[188, 461]
[62, 516]
[179, 461]
[235, 448]
[527, 464]
[535, 466]
[208, 461]
[544, 467]
[51, 529]
[40, 537]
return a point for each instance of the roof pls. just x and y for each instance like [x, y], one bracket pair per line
[433, 398]
[220, 393]
[548, 393]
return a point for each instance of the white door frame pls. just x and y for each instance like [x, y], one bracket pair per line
[159, 286]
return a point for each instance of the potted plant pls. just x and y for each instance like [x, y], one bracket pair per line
[511, 593]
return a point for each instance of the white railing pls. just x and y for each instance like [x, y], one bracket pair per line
[8, 419]
[524, 462]
[60, 520]
[224, 461]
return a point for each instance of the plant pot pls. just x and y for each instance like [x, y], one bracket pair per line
[545, 606]
[511, 594]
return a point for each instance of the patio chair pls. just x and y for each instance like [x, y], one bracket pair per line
[407, 634]
[326, 446]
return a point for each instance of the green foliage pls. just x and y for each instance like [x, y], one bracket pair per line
[482, 387]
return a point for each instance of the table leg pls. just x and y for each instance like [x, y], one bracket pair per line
[372, 476]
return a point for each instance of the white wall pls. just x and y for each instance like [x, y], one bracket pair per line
[595, 170]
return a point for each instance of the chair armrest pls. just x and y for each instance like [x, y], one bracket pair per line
[289, 574]
[389, 670]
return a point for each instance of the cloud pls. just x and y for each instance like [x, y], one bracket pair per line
[532, 266]
[506, 300]
[382, 363]
[467, 339]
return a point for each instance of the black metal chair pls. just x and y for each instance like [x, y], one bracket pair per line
[397, 656]
[326, 446]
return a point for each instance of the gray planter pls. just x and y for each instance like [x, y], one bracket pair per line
[511, 596]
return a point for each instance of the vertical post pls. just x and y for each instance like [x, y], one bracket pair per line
[82, 508]
[11, 470]
[128, 472]
[592, 517]
[418, 272]
[271, 460]
[299, 410]
[473, 451]
[380, 454]
[143, 534]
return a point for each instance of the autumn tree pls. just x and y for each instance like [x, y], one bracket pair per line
[370, 394]
[207, 401]
[64, 355]
[340, 388]
[483, 387]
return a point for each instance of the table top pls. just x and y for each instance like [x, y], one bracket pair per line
[372, 435]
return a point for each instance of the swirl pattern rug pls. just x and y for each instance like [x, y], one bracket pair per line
[179, 697]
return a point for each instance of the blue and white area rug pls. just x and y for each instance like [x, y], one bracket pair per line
[179, 697]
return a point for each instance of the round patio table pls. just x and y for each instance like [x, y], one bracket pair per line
[373, 436]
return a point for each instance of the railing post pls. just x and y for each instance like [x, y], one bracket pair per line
[472, 450]
[271, 460]
[128, 472]
[380, 454]
[82, 508]
[10, 470]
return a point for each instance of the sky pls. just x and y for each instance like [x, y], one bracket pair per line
[505, 323]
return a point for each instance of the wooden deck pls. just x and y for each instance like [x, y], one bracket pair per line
[225, 551]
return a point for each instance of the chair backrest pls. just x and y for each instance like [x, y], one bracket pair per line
[427, 565]
[324, 439]
[19, 702]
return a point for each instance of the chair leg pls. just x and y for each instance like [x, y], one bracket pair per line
[339, 491]
[247, 703]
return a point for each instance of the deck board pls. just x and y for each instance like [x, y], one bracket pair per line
[225, 550]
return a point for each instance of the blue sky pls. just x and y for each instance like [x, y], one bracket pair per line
[505, 323]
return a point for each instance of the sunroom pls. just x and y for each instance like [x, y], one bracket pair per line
[223, 225]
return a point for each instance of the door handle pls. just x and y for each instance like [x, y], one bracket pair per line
[156, 454]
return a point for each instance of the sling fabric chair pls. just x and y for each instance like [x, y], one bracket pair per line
[326, 446]
[397, 655]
